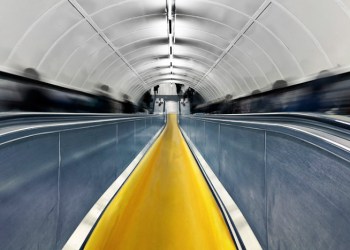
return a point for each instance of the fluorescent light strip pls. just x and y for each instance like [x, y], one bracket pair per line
[171, 24]
[170, 9]
[170, 27]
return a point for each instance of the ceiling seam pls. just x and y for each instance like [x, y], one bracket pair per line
[131, 19]
[110, 72]
[72, 54]
[188, 71]
[209, 20]
[30, 28]
[344, 7]
[251, 59]
[97, 65]
[57, 41]
[121, 80]
[88, 18]
[157, 58]
[284, 46]
[306, 30]
[85, 63]
[245, 28]
[161, 60]
[162, 76]
[254, 62]
[151, 46]
[228, 77]
[233, 29]
[238, 74]
[245, 68]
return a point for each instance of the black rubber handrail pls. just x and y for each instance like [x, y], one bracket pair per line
[335, 125]
[14, 119]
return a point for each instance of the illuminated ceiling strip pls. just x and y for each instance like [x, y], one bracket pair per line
[171, 26]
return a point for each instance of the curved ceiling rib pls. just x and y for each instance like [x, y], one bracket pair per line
[124, 22]
[102, 8]
[181, 70]
[235, 48]
[73, 53]
[42, 60]
[93, 71]
[307, 31]
[180, 62]
[91, 54]
[221, 24]
[88, 18]
[250, 22]
[177, 77]
[31, 27]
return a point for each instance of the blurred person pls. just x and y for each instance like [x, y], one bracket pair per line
[128, 107]
[331, 100]
[226, 107]
[236, 109]
[189, 96]
[257, 104]
[339, 97]
[161, 101]
[195, 99]
[245, 106]
[32, 73]
[178, 89]
[277, 103]
[155, 89]
[103, 103]
[144, 104]
[10, 96]
[311, 99]
[61, 101]
[279, 84]
[36, 98]
[146, 101]
[182, 102]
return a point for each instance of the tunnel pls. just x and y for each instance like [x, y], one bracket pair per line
[174, 124]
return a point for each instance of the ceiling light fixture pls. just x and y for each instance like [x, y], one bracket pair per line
[170, 8]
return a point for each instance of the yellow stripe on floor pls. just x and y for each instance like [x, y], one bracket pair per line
[165, 204]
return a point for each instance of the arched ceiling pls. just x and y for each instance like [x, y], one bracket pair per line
[219, 47]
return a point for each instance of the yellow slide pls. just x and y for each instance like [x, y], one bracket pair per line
[165, 204]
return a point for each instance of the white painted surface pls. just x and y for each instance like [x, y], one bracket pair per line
[172, 107]
[167, 89]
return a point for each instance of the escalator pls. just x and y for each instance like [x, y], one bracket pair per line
[165, 204]
[262, 181]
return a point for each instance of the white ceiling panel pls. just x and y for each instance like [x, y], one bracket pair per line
[220, 47]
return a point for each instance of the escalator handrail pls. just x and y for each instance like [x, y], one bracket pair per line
[20, 125]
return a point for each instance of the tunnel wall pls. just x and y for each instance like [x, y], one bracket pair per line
[292, 189]
[50, 180]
